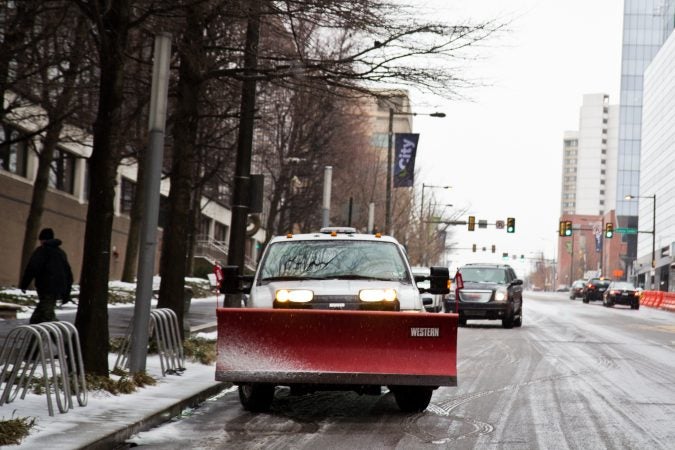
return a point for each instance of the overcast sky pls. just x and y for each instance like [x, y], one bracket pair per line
[502, 152]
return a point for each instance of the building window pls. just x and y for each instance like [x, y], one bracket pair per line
[204, 225]
[219, 232]
[13, 151]
[602, 181]
[128, 191]
[62, 173]
[380, 140]
[602, 172]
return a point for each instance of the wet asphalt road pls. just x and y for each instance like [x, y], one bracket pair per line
[575, 376]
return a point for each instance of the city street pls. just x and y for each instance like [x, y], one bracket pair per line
[574, 376]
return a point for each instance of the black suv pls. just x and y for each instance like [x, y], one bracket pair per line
[595, 288]
[491, 291]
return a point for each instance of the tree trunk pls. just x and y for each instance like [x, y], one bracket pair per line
[173, 263]
[92, 313]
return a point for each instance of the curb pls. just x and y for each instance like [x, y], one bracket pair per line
[118, 438]
[204, 328]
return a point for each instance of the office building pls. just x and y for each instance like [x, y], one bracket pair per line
[646, 26]
[656, 201]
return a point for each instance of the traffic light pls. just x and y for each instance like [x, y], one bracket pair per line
[474, 248]
[568, 228]
[494, 248]
[472, 224]
[561, 228]
[609, 230]
[510, 225]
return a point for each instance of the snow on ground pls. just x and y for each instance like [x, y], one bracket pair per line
[104, 412]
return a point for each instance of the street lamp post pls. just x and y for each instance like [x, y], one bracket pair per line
[653, 232]
[390, 161]
[430, 186]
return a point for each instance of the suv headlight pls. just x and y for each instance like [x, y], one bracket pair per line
[294, 295]
[377, 295]
[501, 294]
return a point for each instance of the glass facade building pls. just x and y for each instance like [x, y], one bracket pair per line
[646, 26]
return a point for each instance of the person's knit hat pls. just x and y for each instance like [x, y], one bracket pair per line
[46, 234]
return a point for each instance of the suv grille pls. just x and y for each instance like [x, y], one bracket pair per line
[474, 295]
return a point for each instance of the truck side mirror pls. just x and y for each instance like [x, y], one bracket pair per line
[439, 280]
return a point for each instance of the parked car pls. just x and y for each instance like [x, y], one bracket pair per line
[493, 292]
[577, 289]
[595, 288]
[622, 293]
[431, 302]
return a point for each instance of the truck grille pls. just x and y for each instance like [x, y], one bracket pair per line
[474, 295]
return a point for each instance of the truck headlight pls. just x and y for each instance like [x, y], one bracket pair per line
[377, 295]
[501, 294]
[294, 295]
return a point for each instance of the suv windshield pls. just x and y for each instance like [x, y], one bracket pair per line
[299, 260]
[483, 274]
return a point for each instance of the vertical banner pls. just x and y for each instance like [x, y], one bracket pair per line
[597, 232]
[404, 161]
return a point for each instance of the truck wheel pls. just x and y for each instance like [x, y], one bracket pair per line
[412, 399]
[256, 397]
[585, 299]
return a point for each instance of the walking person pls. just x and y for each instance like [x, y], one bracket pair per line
[49, 267]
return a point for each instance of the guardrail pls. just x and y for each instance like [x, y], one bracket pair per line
[164, 328]
[49, 349]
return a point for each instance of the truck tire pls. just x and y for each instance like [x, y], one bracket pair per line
[256, 397]
[412, 399]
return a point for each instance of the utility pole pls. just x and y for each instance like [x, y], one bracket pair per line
[153, 171]
[242, 173]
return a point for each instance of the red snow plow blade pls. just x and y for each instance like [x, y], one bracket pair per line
[336, 347]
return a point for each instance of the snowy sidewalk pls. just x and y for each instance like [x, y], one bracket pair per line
[109, 419]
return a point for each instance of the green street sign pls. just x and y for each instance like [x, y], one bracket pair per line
[626, 230]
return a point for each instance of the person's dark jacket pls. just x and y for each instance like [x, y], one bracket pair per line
[49, 266]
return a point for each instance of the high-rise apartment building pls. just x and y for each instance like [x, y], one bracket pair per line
[569, 176]
[646, 26]
[590, 158]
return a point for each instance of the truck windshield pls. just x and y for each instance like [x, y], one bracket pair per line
[333, 259]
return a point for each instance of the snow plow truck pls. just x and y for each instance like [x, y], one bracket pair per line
[335, 310]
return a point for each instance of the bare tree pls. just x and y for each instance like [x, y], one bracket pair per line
[110, 24]
[57, 62]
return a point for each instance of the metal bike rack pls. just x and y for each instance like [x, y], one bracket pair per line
[164, 328]
[52, 347]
